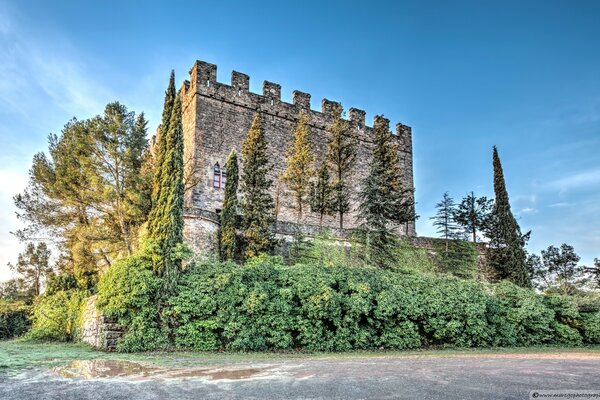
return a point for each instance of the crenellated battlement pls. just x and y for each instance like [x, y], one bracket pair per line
[203, 82]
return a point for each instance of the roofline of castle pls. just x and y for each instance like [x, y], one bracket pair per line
[203, 79]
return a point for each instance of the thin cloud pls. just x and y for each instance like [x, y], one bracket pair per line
[561, 204]
[577, 180]
[32, 73]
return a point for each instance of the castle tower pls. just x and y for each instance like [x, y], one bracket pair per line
[216, 119]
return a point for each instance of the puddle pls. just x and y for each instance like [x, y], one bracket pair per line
[95, 369]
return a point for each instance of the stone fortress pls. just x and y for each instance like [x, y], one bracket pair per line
[216, 118]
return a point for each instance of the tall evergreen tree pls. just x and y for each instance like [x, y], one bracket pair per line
[341, 154]
[472, 214]
[444, 220]
[300, 165]
[167, 217]
[506, 248]
[89, 194]
[257, 203]
[159, 149]
[321, 196]
[385, 203]
[34, 267]
[228, 239]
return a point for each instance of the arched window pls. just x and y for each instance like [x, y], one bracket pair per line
[216, 176]
[223, 176]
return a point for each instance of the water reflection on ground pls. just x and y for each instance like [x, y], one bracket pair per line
[95, 369]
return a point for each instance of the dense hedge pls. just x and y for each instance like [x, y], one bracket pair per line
[265, 305]
[129, 291]
[14, 318]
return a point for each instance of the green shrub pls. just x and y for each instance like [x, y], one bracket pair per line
[524, 311]
[589, 310]
[57, 316]
[266, 305]
[129, 291]
[14, 319]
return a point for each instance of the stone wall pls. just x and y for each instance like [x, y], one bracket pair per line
[97, 330]
[217, 117]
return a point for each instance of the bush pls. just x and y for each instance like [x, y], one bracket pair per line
[129, 292]
[57, 316]
[589, 309]
[14, 319]
[266, 305]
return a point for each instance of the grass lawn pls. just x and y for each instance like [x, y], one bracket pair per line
[16, 354]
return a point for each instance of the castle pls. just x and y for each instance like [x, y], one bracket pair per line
[216, 118]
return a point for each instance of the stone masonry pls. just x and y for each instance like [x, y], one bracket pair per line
[98, 330]
[216, 119]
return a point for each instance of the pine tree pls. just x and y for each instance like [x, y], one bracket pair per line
[506, 249]
[33, 266]
[257, 203]
[444, 220]
[385, 204]
[89, 192]
[167, 234]
[159, 150]
[472, 214]
[228, 240]
[321, 197]
[300, 165]
[341, 154]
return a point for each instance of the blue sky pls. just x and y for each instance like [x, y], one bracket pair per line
[465, 75]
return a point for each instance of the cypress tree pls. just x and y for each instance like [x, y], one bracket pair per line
[341, 154]
[300, 164]
[257, 203]
[159, 150]
[228, 240]
[384, 202]
[168, 232]
[506, 250]
[321, 197]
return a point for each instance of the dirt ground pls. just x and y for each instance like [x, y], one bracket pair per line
[460, 376]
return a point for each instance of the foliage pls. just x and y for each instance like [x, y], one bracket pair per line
[300, 165]
[321, 194]
[129, 291]
[33, 266]
[412, 259]
[166, 219]
[594, 272]
[506, 248]
[257, 203]
[15, 290]
[341, 155]
[228, 236]
[557, 269]
[57, 316]
[444, 220]
[89, 193]
[56, 283]
[14, 318]
[159, 147]
[457, 257]
[384, 202]
[265, 305]
[472, 214]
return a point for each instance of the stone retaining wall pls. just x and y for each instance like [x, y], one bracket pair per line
[97, 330]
